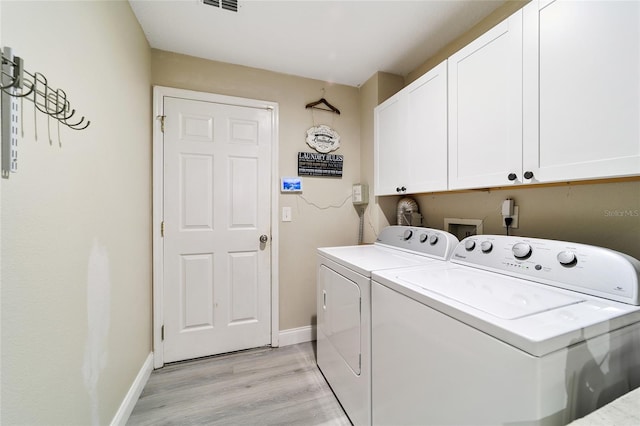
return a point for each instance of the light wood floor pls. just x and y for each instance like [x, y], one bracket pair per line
[280, 386]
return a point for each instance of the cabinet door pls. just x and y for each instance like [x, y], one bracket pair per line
[427, 131]
[581, 89]
[485, 108]
[390, 169]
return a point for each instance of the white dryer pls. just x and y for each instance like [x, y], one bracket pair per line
[511, 331]
[344, 306]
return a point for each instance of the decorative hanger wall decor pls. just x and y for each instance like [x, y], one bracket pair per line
[322, 137]
[323, 101]
[18, 83]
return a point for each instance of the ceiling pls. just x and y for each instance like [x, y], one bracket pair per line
[342, 42]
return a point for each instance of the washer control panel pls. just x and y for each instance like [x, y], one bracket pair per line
[588, 269]
[425, 241]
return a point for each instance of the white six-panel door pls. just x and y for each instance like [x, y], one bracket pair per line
[216, 292]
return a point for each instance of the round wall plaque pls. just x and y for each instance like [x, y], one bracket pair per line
[323, 138]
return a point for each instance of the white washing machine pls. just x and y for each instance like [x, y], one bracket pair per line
[344, 306]
[512, 330]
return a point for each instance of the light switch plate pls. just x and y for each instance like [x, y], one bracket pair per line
[286, 214]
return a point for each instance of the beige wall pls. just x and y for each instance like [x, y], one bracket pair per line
[312, 226]
[508, 8]
[374, 91]
[606, 214]
[76, 242]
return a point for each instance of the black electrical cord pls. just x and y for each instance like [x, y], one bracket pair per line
[508, 221]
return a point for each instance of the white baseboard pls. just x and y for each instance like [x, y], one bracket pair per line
[130, 400]
[294, 336]
[288, 337]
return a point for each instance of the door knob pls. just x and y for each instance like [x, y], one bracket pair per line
[264, 238]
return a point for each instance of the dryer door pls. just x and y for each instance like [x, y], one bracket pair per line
[342, 316]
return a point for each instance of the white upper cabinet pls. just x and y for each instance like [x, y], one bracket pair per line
[550, 94]
[427, 131]
[390, 145]
[581, 89]
[485, 109]
[410, 151]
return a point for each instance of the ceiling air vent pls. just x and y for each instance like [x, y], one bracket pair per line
[231, 5]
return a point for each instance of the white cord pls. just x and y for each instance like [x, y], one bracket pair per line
[325, 207]
[362, 214]
[360, 224]
[373, 229]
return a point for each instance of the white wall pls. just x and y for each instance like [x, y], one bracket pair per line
[76, 242]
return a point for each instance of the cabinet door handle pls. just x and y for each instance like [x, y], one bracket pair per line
[512, 176]
[324, 299]
[400, 189]
[528, 175]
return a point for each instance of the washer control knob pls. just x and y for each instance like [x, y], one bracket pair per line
[486, 246]
[423, 237]
[408, 234]
[433, 239]
[470, 245]
[521, 250]
[567, 258]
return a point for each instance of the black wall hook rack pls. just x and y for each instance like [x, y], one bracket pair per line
[20, 83]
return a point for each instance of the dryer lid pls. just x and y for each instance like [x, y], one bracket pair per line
[364, 259]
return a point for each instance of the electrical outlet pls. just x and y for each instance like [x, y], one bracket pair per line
[514, 224]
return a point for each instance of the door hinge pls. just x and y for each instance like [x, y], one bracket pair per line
[161, 118]
[162, 333]
[162, 228]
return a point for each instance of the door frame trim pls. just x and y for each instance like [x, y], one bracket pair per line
[159, 93]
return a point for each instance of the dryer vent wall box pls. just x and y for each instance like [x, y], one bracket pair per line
[360, 194]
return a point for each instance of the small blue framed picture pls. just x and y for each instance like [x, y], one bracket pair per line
[291, 184]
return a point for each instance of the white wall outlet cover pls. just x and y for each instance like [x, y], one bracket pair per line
[514, 216]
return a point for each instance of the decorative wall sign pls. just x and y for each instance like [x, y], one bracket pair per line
[314, 164]
[323, 138]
